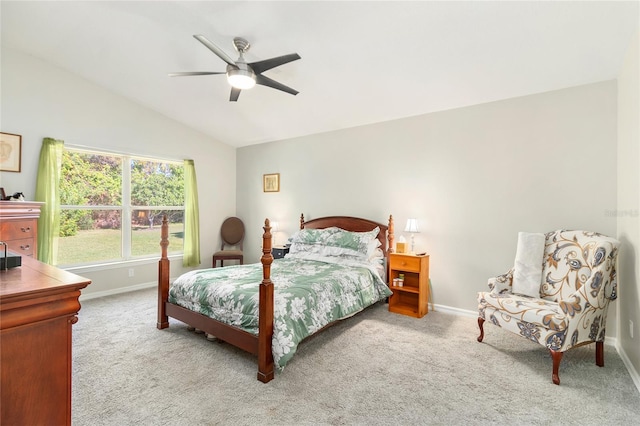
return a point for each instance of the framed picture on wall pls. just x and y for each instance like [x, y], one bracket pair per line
[271, 182]
[10, 152]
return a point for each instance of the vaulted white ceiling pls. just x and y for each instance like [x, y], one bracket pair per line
[362, 62]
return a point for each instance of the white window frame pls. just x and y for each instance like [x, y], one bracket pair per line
[126, 209]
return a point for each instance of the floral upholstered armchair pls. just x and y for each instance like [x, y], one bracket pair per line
[578, 280]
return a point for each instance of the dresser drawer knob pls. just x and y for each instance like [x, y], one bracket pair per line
[25, 248]
[27, 229]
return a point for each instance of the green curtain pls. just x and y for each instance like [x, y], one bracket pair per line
[191, 256]
[48, 191]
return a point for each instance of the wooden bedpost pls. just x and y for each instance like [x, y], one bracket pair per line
[163, 276]
[265, 318]
[301, 220]
[390, 236]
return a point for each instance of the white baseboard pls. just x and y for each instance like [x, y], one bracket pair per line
[630, 368]
[611, 341]
[455, 311]
[118, 290]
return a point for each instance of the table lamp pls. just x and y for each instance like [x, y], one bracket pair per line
[274, 228]
[412, 228]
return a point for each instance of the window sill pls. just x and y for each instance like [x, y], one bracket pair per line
[80, 269]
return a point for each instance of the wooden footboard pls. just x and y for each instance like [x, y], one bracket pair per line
[258, 345]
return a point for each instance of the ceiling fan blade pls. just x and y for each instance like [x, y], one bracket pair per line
[184, 74]
[267, 64]
[215, 49]
[266, 81]
[234, 94]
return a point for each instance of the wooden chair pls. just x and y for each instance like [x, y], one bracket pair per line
[232, 232]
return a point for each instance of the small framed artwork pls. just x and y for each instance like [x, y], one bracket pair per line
[271, 182]
[10, 152]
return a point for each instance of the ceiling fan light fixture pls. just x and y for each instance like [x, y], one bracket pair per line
[241, 79]
[240, 74]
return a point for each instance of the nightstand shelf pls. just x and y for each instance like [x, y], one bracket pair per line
[412, 298]
[406, 289]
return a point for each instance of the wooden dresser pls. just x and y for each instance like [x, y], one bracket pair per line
[19, 226]
[38, 305]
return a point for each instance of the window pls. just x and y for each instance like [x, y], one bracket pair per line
[112, 207]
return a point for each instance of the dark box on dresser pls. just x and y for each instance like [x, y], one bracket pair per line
[9, 260]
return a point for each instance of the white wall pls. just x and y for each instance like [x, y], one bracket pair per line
[629, 204]
[39, 100]
[473, 177]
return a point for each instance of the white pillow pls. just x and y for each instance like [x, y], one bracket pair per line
[527, 273]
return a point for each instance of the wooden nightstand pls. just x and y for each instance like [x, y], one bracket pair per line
[278, 252]
[412, 298]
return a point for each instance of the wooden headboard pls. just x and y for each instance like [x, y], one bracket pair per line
[354, 224]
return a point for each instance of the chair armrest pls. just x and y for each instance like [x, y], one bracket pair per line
[502, 283]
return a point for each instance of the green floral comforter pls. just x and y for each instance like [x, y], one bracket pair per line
[308, 294]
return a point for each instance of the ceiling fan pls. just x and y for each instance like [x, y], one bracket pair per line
[240, 74]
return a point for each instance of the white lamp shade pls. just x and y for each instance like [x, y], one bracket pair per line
[275, 226]
[412, 225]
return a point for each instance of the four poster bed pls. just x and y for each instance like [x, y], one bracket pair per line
[336, 267]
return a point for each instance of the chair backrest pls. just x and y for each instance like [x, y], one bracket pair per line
[232, 232]
[571, 258]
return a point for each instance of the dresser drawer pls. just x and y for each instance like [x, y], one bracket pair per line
[24, 247]
[405, 263]
[17, 229]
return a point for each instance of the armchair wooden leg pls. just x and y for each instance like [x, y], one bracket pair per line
[557, 357]
[481, 325]
[600, 354]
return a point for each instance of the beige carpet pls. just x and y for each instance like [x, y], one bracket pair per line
[377, 368]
